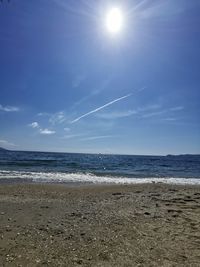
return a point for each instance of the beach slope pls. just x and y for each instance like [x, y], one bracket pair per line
[137, 225]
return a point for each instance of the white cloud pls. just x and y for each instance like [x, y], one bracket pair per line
[99, 108]
[9, 108]
[6, 143]
[47, 132]
[34, 124]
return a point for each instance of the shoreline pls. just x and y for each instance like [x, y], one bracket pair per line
[88, 179]
[99, 225]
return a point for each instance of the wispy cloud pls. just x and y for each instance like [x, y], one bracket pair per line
[66, 129]
[43, 114]
[101, 107]
[71, 7]
[9, 108]
[165, 9]
[149, 107]
[169, 119]
[47, 132]
[162, 111]
[177, 108]
[54, 118]
[78, 80]
[152, 114]
[6, 143]
[127, 113]
[70, 136]
[34, 124]
[91, 138]
[103, 86]
[117, 114]
[57, 118]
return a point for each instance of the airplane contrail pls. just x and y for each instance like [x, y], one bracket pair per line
[99, 108]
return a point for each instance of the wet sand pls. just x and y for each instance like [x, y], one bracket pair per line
[138, 225]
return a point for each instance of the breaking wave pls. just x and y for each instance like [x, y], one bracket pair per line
[60, 177]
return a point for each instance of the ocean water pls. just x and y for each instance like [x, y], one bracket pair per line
[97, 168]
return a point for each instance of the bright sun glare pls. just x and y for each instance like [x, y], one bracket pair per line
[114, 20]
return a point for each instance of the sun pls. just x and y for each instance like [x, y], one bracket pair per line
[114, 20]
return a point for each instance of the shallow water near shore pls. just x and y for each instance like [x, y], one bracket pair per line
[22, 166]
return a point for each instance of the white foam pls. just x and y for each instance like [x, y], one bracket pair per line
[91, 178]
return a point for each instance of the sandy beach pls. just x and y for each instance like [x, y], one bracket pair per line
[137, 225]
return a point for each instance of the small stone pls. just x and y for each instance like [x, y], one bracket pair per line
[117, 194]
[82, 234]
[78, 261]
[8, 229]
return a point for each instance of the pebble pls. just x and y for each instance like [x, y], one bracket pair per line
[117, 194]
[8, 229]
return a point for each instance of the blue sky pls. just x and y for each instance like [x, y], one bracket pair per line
[67, 84]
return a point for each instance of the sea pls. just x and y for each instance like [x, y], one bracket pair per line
[75, 169]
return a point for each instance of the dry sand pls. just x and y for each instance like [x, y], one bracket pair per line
[139, 225]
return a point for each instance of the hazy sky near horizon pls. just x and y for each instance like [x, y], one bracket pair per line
[67, 84]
